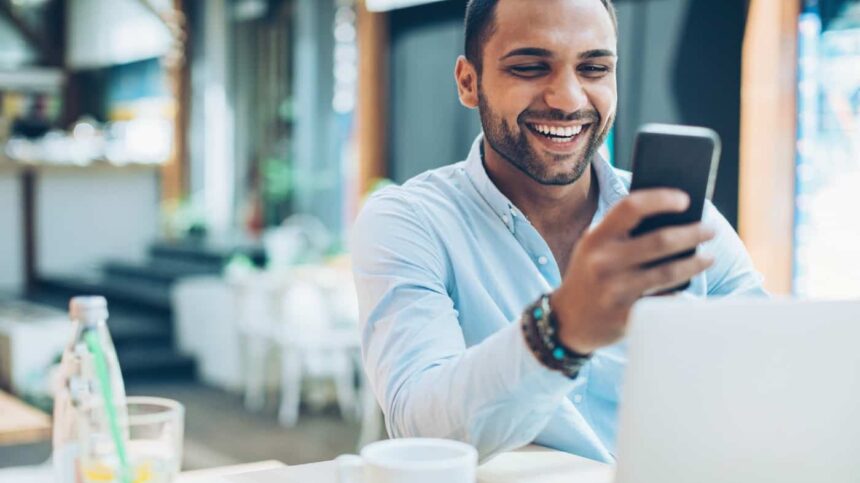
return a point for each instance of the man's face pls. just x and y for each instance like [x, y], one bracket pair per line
[547, 90]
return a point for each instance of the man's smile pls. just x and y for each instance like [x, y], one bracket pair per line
[560, 138]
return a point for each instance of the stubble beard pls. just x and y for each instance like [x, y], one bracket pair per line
[516, 149]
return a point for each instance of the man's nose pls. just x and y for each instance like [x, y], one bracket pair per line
[566, 93]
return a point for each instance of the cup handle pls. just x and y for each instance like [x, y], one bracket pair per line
[350, 468]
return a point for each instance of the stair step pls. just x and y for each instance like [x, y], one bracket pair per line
[130, 333]
[128, 325]
[205, 253]
[139, 301]
[160, 271]
[142, 363]
[144, 294]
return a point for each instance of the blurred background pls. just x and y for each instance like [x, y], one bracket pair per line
[199, 163]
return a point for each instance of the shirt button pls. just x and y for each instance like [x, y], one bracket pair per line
[543, 260]
[506, 218]
[577, 399]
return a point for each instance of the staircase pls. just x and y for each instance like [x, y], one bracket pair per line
[141, 318]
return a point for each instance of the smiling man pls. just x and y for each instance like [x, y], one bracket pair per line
[495, 292]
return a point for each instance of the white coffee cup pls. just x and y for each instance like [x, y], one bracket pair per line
[413, 460]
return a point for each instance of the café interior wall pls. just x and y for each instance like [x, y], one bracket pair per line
[428, 127]
[680, 63]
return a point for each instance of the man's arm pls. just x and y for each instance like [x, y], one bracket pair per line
[494, 395]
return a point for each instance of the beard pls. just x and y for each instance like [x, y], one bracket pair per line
[511, 142]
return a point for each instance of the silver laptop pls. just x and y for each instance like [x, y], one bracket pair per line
[742, 391]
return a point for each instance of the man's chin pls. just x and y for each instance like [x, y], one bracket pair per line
[563, 177]
[560, 170]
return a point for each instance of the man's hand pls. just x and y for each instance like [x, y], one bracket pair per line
[605, 276]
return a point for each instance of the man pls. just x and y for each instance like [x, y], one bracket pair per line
[470, 331]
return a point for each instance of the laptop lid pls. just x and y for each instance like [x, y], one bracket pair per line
[741, 391]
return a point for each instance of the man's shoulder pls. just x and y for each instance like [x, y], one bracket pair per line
[408, 218]
[431, 188]
[435, 180]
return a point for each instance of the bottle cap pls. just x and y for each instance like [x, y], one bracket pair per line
[88, 309]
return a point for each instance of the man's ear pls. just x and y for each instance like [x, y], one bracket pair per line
[467, 82]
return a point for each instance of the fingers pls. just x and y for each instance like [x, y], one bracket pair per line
[662, 243]
[630, 211]
[670, 274]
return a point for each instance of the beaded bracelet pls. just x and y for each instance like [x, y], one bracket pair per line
[540, 331]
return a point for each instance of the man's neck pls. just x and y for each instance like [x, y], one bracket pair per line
[545, 206]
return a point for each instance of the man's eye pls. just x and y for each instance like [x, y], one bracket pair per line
[594, 70]
[528, 70]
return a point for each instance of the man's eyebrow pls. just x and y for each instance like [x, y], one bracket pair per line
[591, 54]
[539, 52]
[529, 51]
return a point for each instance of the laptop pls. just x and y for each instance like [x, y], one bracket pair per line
[741, 391]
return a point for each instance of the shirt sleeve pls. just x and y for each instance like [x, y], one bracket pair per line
[732, 273]
[494, 395]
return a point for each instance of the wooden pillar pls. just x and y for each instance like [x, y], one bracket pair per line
[174, 173]
[768, 139]
[372, 106]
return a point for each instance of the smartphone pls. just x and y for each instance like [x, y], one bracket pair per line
[680, 157]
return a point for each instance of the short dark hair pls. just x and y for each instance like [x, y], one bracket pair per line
[480, 26]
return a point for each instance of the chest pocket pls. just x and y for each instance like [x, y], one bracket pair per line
[606, 372]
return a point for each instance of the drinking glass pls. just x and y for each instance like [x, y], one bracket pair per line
[152, 434]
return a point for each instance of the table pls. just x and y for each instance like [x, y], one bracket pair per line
[20, 423]
[532, 464]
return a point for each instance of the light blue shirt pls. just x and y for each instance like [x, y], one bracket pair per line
[444, 267]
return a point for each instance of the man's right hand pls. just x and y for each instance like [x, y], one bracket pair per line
[605, 275]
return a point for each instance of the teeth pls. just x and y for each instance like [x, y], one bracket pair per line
[558, 131]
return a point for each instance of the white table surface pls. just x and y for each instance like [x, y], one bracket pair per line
[532, 464]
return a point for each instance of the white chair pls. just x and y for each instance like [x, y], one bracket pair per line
[317, 339]
[255, 295]
[204, 309]
[299, 239]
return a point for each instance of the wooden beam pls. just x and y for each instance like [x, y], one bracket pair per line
[768, 139]
[372, 103]
[174, 173]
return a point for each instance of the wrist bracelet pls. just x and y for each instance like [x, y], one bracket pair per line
[540, 330]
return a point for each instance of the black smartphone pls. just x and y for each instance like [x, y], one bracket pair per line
[680, 157]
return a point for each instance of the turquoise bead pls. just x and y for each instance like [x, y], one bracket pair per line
[538, 313]
[558, 353]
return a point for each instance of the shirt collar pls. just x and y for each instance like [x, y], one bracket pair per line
[611, 187]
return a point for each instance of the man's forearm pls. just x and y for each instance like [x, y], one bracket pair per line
[495, 396]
